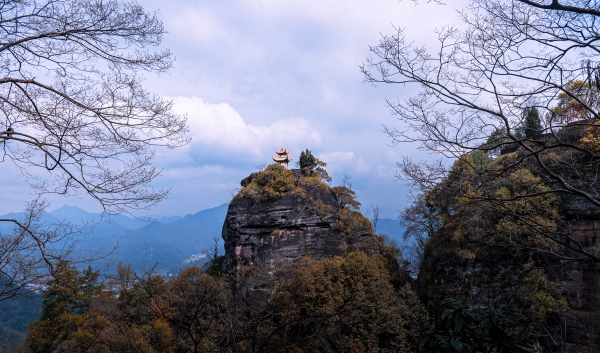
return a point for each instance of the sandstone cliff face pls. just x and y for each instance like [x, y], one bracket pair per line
[283, 215]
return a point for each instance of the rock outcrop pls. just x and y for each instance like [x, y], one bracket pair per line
[282, 215]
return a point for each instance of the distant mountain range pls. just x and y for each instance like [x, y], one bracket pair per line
[165, 243]
[99, 224]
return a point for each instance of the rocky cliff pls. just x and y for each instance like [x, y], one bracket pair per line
[282, 215]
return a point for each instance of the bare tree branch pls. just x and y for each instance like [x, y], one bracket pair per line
[76, 120]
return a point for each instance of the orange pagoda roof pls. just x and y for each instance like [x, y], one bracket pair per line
[285, 159]
[282, 151]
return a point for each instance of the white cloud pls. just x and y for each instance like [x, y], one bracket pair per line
[337, 157]
[200, 25]
[220, 127]
[347, 162]
[287, 58]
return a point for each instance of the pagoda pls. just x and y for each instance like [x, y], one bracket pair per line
[282, 157]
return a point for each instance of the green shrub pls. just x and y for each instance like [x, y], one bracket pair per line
[353, 221]
[272, 183]
[275, 181]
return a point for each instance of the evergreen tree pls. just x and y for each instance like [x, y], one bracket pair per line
[65, 305]
[307, 160]
[532, 124]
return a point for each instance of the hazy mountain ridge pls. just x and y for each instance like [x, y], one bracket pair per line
[168, 241]
[96, 223]
[170, 244]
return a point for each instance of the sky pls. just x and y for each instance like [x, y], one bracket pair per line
[255, 76]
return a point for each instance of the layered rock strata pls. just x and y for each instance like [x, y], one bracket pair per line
[300, 218]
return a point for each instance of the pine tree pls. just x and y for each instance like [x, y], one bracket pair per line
[66, 302]
[307, 160]
[532, 122]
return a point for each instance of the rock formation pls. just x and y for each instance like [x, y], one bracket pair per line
[282, 215]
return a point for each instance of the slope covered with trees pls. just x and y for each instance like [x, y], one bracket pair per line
[348, 304]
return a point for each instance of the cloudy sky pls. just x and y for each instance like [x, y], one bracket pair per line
[256, 75]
